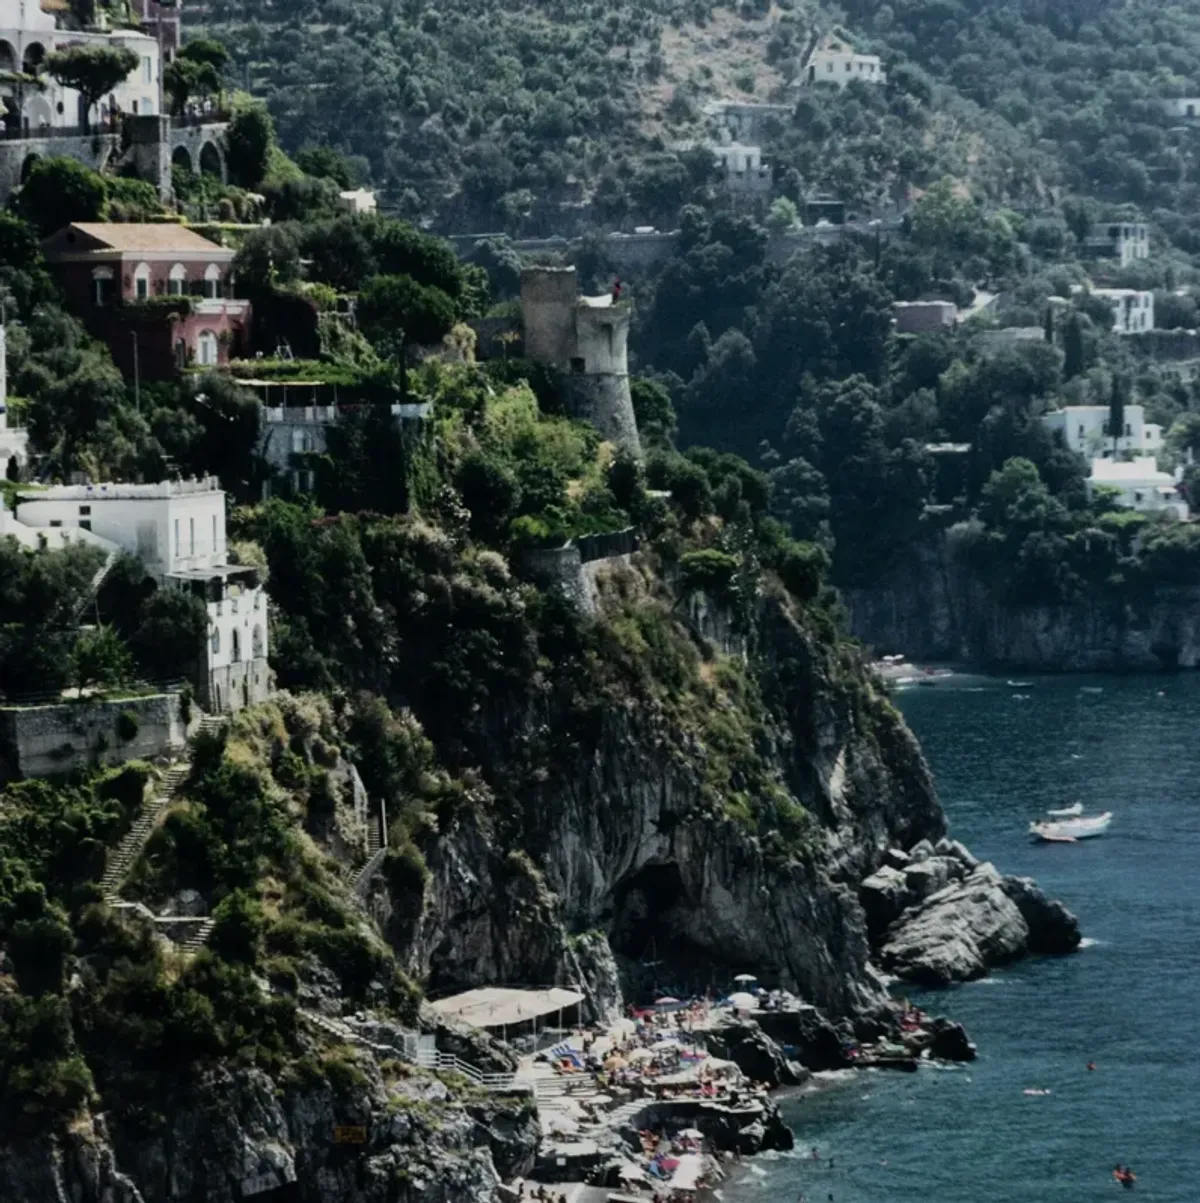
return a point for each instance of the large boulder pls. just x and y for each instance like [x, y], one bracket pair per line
[1052, 928]
[755, 1054]
[817, 1043]
[957, 933]
[950, 1041]
[884, 897]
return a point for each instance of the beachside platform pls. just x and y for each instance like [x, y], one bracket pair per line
[500, 1007]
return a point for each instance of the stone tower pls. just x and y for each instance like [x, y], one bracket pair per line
[584, 340]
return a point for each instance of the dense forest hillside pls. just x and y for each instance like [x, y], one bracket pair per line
[475, 111]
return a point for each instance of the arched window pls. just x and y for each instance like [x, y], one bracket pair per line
[141, 281]
[215, 641]
[236, 647]
[177, 282]
[206, 349]
[256, 643]
[212, 281]
[102, 285]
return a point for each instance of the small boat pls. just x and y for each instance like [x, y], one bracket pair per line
[1067, 812]
[1019, 684]
[1070, 830]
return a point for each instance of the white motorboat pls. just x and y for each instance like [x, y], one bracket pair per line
[1068, 831]
[1067, 812]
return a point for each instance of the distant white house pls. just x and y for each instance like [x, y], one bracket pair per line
[1124, 241]
[1133, 310]
[1084, 429]
[838, 65]
[176, 528]
[358, 200]
[14, 444]
[742, 168]
[1186, 109]
[1140, 486]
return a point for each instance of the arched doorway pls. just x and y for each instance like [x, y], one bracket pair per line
[181, 159]
[8, 56]
[210, 161]
[27, 166]
[35, 56]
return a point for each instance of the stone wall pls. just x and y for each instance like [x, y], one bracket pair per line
[236, 686]
[46, 741]
[93, 150]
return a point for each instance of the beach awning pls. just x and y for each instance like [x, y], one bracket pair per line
[495, 1007]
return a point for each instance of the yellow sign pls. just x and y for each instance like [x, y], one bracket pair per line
[349, 1135]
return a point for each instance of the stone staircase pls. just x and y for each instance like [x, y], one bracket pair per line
[129, 849]
[376, 851]
[199, 937]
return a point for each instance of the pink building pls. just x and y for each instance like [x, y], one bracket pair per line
[162, 283]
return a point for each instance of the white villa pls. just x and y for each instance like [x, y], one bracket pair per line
[14, 444]
[1140, 486]
[742, 167]
[28, 35]
[177, 529]
[1085, 430]
[838, 65]
[1124, 241]
[1133, 310]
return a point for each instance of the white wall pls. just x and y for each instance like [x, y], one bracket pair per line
[1133, 311]
[841, 66]
[168, 528]
[244, 612]
[24, 25]
[1082, 427]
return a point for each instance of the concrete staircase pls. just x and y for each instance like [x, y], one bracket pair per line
[130, 848]
[376, 851]
[199, 937]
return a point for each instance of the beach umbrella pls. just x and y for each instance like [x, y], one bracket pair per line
[665, 1001]
[745, 977]
[691, 1134]
[743, 1001]
[641, 1054]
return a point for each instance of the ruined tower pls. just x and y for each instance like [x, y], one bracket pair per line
[584, 340]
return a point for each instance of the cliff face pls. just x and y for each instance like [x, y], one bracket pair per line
[240, 1134]
[932, 607]
[620, 834]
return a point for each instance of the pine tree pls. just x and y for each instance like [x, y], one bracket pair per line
[1048, 325]
[1073, 347]
[1116, 410]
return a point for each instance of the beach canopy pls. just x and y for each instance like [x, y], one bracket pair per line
[495, 1007]
[745, 977]
[641, 1054]
[691, 1134]
[665, 1001]
[743, 1001]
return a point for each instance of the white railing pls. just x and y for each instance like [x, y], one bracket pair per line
[447, 1062]
[300, 413]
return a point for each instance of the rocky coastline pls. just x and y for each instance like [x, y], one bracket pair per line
[932, 607]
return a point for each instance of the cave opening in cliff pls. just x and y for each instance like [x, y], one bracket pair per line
[652, 935]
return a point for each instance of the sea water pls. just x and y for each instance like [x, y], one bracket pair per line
[1129, 1000]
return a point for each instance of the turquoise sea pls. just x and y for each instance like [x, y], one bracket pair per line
[1130, 1000]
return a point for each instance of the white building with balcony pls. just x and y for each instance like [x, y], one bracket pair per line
[1139, 485]
[1124, 241]
[1133, 310]
[29, 35]
[1084, 429]
[838, 65]
[177, 530]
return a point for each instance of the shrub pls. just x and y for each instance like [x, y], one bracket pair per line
[127, 726]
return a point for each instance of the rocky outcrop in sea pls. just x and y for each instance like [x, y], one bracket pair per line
[938, 916]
